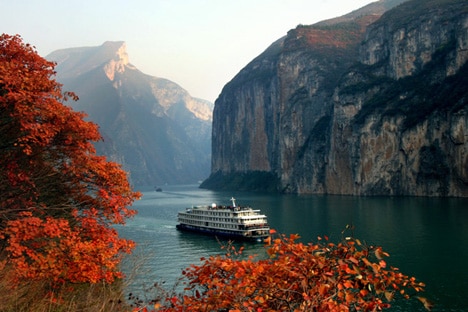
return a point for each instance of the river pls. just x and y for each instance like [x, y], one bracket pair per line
[425, 237]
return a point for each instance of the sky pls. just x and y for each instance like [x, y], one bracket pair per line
[198, 44]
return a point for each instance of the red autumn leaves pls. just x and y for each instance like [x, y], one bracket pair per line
[58, 199]
[348, 276]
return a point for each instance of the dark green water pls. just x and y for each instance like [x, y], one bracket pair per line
[426, 237]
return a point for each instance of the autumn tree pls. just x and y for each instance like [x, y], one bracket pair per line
[322, 276]
[58, 198]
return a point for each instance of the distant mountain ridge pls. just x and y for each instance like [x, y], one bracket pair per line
[151, 125]
[370, 103]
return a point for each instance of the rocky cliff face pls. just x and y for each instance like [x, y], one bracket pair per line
[150, 125]
[367, 104]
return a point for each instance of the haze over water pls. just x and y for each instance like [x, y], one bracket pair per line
[426, 237]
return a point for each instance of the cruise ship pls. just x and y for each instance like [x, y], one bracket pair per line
[232, 222]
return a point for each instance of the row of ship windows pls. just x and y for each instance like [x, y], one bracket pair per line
[219, 225]
[213, 219]
[213, 213]
[224, 219]
[222, 214]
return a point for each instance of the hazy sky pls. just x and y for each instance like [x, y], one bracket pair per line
[199, 44]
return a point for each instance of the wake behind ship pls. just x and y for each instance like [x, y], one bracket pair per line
[233, 222]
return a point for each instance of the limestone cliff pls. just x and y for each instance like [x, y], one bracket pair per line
[151, 125]
[367, 104]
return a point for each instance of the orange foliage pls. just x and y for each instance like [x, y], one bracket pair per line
[296, 277]
[58, 199]
[335, 36]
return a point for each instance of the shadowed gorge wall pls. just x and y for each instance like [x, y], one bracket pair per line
[371, 103]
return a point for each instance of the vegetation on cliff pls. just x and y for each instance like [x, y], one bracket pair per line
[260, 181]
[402, 15]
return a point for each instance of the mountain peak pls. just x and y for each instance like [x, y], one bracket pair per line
[75, 61]
[115, 49]
[118, 51]
[152, 126]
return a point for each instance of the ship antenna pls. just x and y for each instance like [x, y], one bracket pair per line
[233, 201]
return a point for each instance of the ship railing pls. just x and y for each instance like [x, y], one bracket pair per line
[232, 208]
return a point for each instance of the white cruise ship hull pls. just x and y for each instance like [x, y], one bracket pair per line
[245, 236]
[231, 222]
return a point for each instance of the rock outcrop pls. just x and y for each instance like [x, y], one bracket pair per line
[366, 104]
[152, 126]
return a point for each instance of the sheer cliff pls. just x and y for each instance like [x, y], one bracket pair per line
[371, 103]
[152, 126]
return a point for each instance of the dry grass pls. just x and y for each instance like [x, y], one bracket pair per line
[38, 296]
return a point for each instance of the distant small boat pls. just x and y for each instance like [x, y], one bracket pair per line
[233, 222]
[158, 189]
